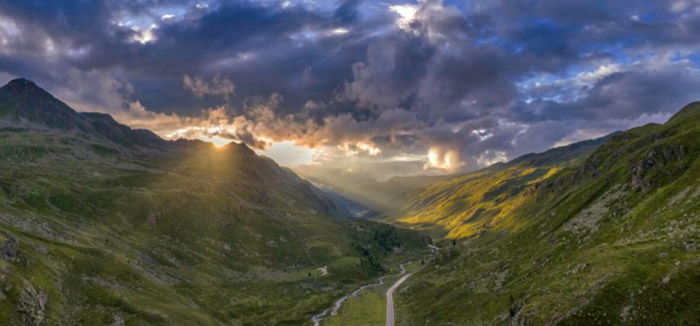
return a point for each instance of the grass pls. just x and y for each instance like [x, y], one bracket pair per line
[366, 309]
[516, 260]
[469, 205]
[369, 306]
[190, 237]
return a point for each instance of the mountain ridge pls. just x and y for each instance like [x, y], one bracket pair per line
[609, 239]
[687, 111]
[389, 198]
[21, 100]
[100, 224]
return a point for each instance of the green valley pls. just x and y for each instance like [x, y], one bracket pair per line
[349, 163]
[101, 224]
[104, 224]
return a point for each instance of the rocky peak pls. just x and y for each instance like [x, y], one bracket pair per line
[23, 101]
[22, 84]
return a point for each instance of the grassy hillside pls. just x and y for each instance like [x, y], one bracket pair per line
[611, 238]
[485, 200]
[396, 195]
[98, 230]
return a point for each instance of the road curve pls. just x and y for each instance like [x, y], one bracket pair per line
[390, 297]
[332, 311]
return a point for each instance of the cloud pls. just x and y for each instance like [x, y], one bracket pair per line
[145, 35]
[217, 86]
[443, 159]
[406, 15]
[450, 86]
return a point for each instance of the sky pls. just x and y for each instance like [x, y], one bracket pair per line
[378, 88]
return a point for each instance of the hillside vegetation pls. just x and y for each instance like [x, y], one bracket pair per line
[475, 202]
[101, 224]
[607, 236]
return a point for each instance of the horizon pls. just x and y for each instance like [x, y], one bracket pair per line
[399, 88]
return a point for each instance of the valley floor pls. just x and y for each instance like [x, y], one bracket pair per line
[369, 306]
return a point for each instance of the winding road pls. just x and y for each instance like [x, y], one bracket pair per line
[390, 297]
[316, 319]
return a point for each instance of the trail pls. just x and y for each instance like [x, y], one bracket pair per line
[332, 311]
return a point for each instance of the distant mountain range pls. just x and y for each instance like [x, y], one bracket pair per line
[393, 196]
[102, 224]
[380, 198]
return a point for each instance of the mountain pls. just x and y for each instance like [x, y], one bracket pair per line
[558, 156]
[393, 196]
[471, 203]
[23, 102]
[378, 197]
[352, 208]
[608, 236]
[102, 224]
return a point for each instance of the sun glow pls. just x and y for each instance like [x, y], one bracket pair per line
[217, 141]
[443, 159]
[289, 154]
[407, 15]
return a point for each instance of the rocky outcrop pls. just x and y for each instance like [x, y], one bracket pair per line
[32, 305]
[118, 320]
[656, 158]
[9, 249]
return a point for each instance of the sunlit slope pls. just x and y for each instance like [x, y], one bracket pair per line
[97, 229]
[487, 199]
[609, 240]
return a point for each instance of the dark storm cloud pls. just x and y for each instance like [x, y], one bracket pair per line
[347, 11]
[481, 80]
[644, 88]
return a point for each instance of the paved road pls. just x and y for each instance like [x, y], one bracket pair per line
[390, 297]
[332, 311]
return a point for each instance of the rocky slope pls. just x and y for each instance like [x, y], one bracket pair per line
[101, 224]
[608, 237]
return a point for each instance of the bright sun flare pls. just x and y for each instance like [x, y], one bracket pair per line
[218, 141]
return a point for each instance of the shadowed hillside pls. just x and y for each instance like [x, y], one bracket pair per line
[101, 224]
